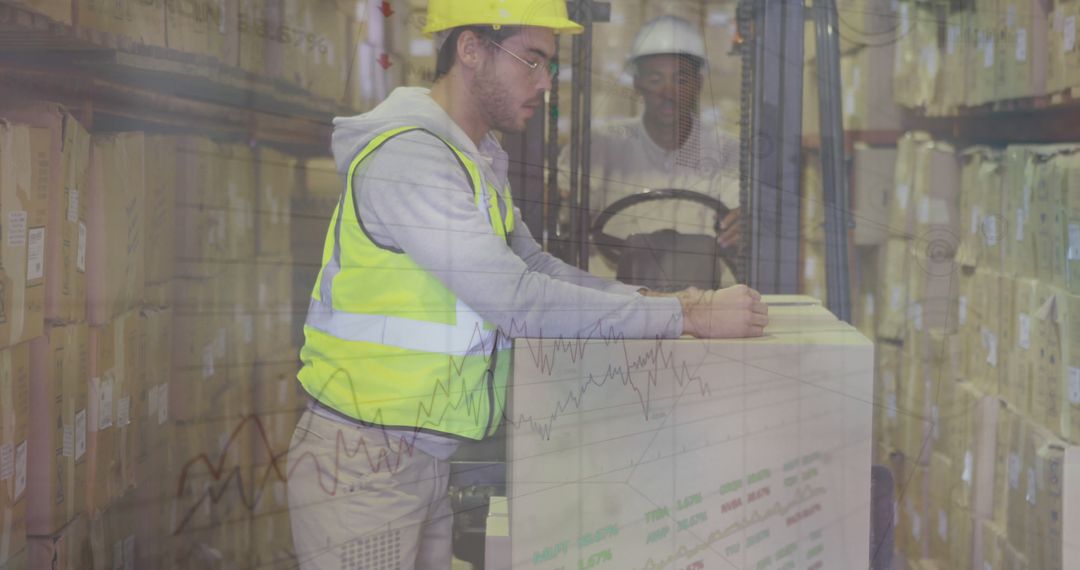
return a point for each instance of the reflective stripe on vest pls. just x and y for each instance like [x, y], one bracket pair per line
[385, 338]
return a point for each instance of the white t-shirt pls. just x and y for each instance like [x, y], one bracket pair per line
[626, 161]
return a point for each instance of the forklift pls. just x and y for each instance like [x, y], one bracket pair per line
[770, 42]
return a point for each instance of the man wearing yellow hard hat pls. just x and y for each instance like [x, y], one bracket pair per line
[427, 273]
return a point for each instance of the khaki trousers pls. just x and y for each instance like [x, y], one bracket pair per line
[358, 501]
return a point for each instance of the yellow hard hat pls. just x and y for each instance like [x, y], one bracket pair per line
[447, 14]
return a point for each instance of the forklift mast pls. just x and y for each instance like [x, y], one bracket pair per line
[771, 40]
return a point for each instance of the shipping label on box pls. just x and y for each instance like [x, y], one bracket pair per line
[14, 406]
[58, 404]
[23, 204]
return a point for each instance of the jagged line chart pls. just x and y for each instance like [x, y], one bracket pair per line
[617, 484]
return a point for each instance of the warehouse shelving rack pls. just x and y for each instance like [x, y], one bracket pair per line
[114, 83]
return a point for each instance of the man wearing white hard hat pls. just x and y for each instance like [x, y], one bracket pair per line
[667, 146]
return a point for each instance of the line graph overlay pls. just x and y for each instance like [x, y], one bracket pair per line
[678, 454]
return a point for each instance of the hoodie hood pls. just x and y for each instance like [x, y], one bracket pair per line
[405, 107]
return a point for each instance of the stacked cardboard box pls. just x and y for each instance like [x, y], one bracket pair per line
[65, 166]
[160, 219]
[116, 263]
[14, 408]
[23, 203]
[139, 22]
[58, 438]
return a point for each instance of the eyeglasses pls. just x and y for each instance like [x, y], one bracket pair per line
[537, 68]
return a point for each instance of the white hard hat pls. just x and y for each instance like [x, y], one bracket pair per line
[668, 35]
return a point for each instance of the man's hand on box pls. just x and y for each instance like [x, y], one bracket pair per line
[734, 312]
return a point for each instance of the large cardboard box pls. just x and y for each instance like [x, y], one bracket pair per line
[1067, 309]
[872, 185]
[58, 10]
[201, 223]
[1064, 54]
[67, 168]
[917, 63]
[959, 27]
[117, 370]
[116, 261]
[152, 406]
[68, 549]
[276, 317]
[200, 339]
[316, 59]
[1068, 168]
[275, 182]
[985, 54]
[237, 182]
[59, 366]
[902, 206]
[160, 218]
[1017, 211]
[140, 21]
[893, 293]
[23, 203]
[1024, 48]
[14, 405]
[1017, 384]
[204, 28]
[1051, 215]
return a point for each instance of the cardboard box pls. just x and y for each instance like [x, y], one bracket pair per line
[890, 372]
[918, 59]
[1064, 54]
[67, 168]
[279, 402]
[1068, 167]
[865, 305]
[894, 289]
[1025, 48]
[902, 207]
[199, 345]
[959, 31]
[59, 366]
[872, 188]
[201, 224]
[117, 371]
[868, 88]
[237, 182]
[23, 203]
[139, 21]
[204, 28]
[1017, 212]
[160, 218]
[1050, 211]
[14, 405]
[316, 59]
[1017, 384]
[1067, 308]
[68, 549]
[985, 53]
[116, 260]
[933, 289]
[275, 183]
[58, 10]
[152, 407]
[276, 316]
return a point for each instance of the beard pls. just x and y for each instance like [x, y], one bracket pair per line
[495, 100]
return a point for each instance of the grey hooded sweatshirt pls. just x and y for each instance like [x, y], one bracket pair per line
[412, 195]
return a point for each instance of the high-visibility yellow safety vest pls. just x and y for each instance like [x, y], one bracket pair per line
[387, 343]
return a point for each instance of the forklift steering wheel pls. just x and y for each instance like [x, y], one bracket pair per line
[611, 246]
